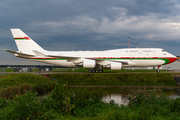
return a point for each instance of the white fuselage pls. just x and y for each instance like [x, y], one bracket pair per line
[134, 57]
[113, 59]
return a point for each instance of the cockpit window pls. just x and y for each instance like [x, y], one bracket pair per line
[163, 50]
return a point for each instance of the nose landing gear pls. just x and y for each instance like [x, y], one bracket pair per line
[158, 69]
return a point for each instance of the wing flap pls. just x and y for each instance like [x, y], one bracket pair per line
[63, 57]
[106, 62]
[123, 62]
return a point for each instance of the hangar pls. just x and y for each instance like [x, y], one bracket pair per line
[172, 66]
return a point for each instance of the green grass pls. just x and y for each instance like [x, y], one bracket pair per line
[62, 69]
[130, 70]
[105, 70]
[17, 84]
[84, 103]
[8, 69]
[86, 70]
[148, 79]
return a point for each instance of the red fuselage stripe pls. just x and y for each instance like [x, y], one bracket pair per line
[27, 38]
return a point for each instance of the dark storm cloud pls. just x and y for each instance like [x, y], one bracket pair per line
[91, 25]
[59, 10]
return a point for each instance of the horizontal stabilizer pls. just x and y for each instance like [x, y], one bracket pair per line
[21, 54]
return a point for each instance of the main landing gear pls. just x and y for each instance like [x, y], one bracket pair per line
[95, 70]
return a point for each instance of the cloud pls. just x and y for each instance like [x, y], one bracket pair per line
[92, 25]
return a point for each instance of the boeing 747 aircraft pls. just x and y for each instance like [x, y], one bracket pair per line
[114, 59]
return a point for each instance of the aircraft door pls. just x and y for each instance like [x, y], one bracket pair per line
[131, 57]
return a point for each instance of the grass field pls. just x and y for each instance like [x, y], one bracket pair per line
[17, 84]
[148, 79]
[105, 70]
[19, 98]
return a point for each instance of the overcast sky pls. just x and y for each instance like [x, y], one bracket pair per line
[90, 25]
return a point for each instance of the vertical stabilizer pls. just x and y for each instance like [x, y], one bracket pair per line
[24, 42]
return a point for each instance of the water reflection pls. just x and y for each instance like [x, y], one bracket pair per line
[119, 95]
[174, 94]
[122, 99]
[118, 98]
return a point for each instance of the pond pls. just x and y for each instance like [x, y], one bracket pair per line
[120, 95]
[122, 98]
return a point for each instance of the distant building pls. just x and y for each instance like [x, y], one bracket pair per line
[45, 69]
[19, 69]
[172, 66]
[16, 69]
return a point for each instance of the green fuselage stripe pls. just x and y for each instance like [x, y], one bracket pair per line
[164, 59]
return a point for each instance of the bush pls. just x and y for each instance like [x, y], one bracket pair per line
[87, 104]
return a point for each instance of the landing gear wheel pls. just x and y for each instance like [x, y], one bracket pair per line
[101, 71]
[90, 70]
[95, 71]
[157, 70]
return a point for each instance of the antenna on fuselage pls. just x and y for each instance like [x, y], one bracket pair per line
[128, 41]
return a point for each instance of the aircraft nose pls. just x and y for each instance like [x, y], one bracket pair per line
[172, 59]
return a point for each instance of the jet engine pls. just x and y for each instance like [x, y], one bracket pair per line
[89, 63]
[116, 66]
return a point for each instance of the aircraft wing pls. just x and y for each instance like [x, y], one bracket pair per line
[79, 59]
[19, 53]
[63, 57]
[123, 62]
[106, 62]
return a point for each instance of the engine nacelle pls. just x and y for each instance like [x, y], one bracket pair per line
[89, 63]
[116, 66]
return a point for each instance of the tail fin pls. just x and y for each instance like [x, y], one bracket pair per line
[24, 42]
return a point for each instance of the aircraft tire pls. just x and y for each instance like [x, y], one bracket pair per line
[90, 71]
[95, 71]
[157, 70]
